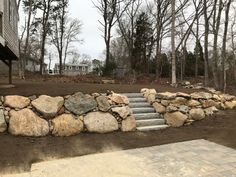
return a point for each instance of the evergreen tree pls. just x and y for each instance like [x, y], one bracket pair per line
[143, 44]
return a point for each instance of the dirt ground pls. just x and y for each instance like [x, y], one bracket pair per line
[18, 153]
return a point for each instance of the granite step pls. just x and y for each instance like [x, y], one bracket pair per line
[150, 122]
[152, 128]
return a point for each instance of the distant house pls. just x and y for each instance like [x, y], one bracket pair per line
[9, 45]
[73, 69]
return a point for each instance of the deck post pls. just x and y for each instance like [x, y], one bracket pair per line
[10, 72]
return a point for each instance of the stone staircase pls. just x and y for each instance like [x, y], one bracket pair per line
[146, 117]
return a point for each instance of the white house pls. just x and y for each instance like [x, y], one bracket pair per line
[72, 69]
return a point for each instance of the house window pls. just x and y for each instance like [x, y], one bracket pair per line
[70, 67]
[83, 68]
[77, 68]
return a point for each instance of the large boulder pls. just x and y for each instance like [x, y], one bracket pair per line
[184, 109]
[66, 125]
[151, 98]
[48, 106]
[100, 122]
[227, 97]
[159, 108]
[119, 99]
[184, 95]
[210, 111]
[26, 123]
[197, 114]
[123, 111]
[165, 102]
[193, 103]
[230, 104]
[201, 95]
[129, 124]
[171, 108]
[3, 124]
[16, 102]
[176, 119]
[208, 103]
[166, 95]
[103, 103]
[150, 92]
[179, 101]
[80, 104]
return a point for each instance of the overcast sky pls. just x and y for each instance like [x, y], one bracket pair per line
[88, 14]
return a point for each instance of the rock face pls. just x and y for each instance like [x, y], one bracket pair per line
[48, 106]
[17, 102]
[210, 111]
[80, 104]
[129, 124]
[99, 122]
[159, 108]
[176, 119]
[230, 104]
[3, 124]
[179, 101]
[201, 95]
[197, 114]
[103, 103]
[151, 98]
[184, 95]
[122, 111]
[193, 103]
[166, 95]
[227, 97]
[66, 125]
[119, 99]
[208, 103]
[171, 108]
[184, 109]
[26, 123]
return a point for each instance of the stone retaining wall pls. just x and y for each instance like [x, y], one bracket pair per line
[181, 109]
[65, 116]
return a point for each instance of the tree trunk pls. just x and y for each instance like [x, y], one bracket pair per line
[206, 72]
[224, 55]
[198, 47]
[173, 44]
[216, 27]
[26, 52]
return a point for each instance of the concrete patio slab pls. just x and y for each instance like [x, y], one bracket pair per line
[198, 158]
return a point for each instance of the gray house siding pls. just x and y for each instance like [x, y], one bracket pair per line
[10, 25]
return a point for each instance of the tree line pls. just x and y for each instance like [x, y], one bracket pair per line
[47, 22]
[175, 38]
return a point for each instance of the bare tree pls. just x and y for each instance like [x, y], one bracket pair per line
[108, 10]
[233, 46]
[58, 29]
[18, 4]
[198, 8]
[46, 6]
[207, 17]
[216, 27]
[72, 31]
[173, 70]
[224, 55]
[126, 23]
